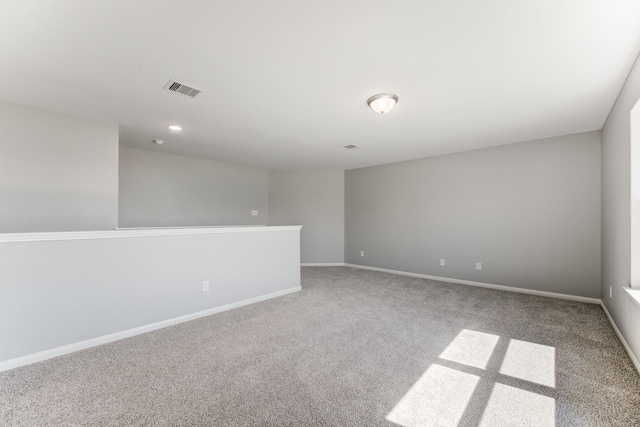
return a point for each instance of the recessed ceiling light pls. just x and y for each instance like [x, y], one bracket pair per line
[176, 128]
[383, 102]
[158, 141]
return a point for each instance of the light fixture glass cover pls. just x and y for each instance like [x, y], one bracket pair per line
[383, 102]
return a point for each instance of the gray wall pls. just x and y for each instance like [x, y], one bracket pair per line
[616, 215]
[166, 190]
[314, 199]
[57, 172]
[530, 212]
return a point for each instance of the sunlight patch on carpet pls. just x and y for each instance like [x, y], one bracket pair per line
[438, 398]
[471, 348]
[530, 362]
[510, 406]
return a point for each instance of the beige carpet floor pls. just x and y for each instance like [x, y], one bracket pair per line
[353, 348]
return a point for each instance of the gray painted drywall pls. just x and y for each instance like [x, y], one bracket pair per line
[56, 293]
[166, 190]
[314, 199]
[57, 172]
[530, 212]
[616, 212]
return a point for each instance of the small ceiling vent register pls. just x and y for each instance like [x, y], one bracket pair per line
[351, 147]
[174, 86]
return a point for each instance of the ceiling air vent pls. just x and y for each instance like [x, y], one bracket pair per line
[351, 147]
[174, 86]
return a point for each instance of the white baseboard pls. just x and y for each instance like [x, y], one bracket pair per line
[482, 285]
[322, 264]
[632, 356]
[93, 342]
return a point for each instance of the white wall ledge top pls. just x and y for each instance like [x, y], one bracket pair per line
[634, 294]
[139, 232]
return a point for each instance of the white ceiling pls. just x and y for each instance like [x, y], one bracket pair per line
[286, 82]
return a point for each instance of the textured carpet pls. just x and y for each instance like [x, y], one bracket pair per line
[353, 348]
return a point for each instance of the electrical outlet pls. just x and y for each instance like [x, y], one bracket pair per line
[441, 262]
[478, 266]
[205, 286]
[254, 213]
[361, 253]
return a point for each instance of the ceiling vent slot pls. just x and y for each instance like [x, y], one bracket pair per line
[174, 86]
[351, 147]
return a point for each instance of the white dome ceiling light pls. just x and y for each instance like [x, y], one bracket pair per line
[383, 102]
